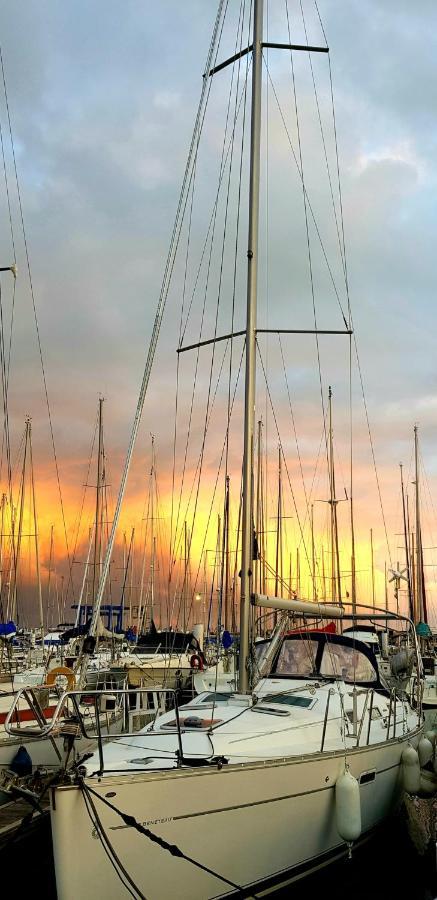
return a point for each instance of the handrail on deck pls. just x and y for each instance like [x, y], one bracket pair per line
[30, 695]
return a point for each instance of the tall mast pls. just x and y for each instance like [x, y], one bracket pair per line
[313, 554]
[218, 572]
[259, 515]
[372, 567]
[3, 504]
[407, 548]
[353, 564]
[420, 600]
[142, 613]
[226, 546]
[249, 399]
[152, 579]
[97, 523]
[49, 580]
[131, 586]
[184, 591]
[153, 541]
[278, 558]
[35, 525]
[84, 579]
[323, 573]
[335, 556]
[416, 617]
[224, 563]
[20, 525]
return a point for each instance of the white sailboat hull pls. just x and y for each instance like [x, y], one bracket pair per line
[154, 671]
[258, 825]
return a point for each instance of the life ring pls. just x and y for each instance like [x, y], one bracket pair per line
[65, 672]
[196, 662]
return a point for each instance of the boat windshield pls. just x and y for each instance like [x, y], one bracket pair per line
[309, 656]
[347, 663]
[297, 657]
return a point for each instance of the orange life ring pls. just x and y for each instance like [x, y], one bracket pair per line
[52, 676]
[196, 662]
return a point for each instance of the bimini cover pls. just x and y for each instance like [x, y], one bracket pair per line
[53, 639]
[8, 630]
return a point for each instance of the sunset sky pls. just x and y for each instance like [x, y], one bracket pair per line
[102, 98]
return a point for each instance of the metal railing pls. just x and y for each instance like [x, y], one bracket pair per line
[70, 717]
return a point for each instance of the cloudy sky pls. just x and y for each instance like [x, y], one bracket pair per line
[102, 98]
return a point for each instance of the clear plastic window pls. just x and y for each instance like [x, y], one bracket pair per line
[347, 663]
[297, 657]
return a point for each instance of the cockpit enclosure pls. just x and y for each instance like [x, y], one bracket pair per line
[330, 656]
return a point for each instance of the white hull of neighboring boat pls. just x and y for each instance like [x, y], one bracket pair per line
[429, 701]
[42, 750]
[45, 754]
[48, 753]
[259, 825]
[429, 698]
[155, 671]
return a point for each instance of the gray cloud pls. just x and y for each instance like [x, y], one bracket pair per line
[102, 98]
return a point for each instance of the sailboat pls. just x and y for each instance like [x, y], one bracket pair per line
[157, 658]
[237, 794]
[52, 670]
[418, 604]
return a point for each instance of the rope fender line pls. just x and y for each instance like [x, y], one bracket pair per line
[173, 849]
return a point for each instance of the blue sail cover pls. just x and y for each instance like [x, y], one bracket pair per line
[8, 630]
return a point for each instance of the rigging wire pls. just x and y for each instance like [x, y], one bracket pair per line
[207, 414]
[215, 486]
[332, 279]
[173, 849]
[32, 293]
[115, 861]
[190, 189]
[293, 421]
[225, 154]
[285, 461]
[322, 134]
[351, 325]
[6, 368]
[369, 431]
[171, 257]
[85, 486]
[305, 203]
[197, 472]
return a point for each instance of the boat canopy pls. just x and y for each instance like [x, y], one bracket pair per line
[324, 655]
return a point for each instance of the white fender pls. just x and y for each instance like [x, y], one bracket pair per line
[426, 751]
[348, 807]
[411, 770]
